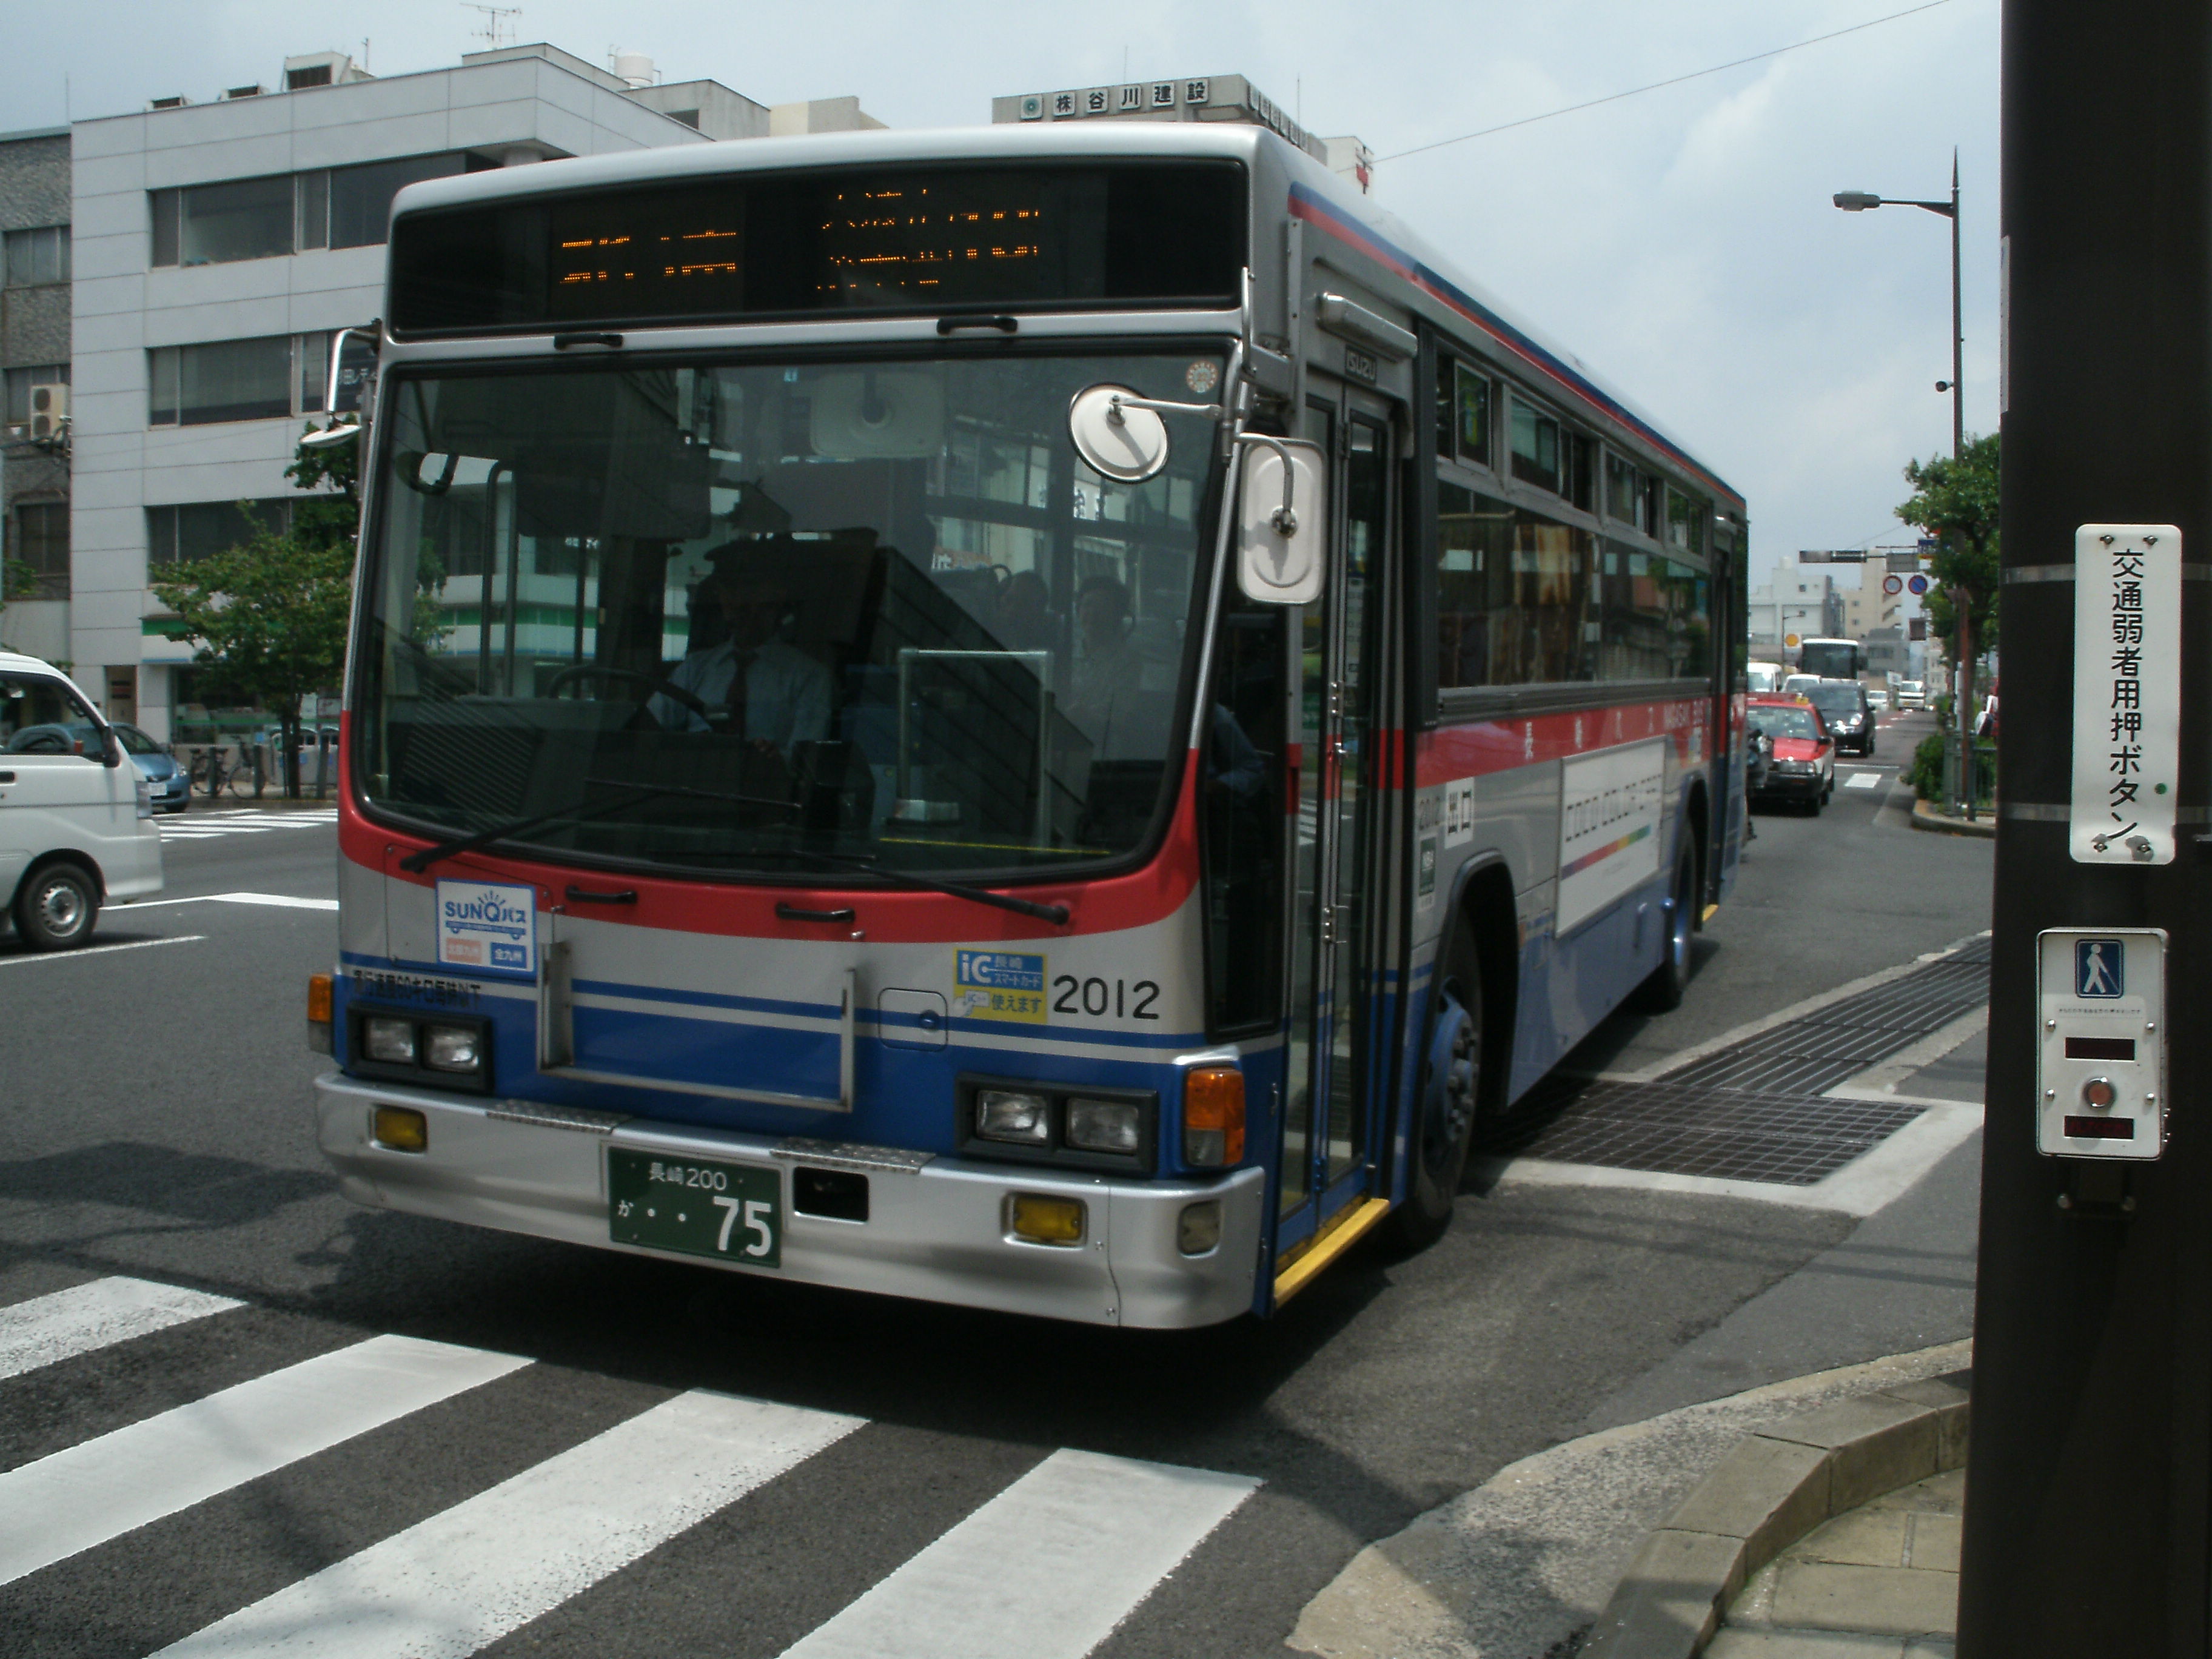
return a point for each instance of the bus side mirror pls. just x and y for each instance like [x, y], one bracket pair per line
[1282, 521]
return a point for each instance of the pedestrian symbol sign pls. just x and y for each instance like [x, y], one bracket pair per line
[2099, 968]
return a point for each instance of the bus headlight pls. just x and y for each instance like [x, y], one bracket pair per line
[1104, 1126]
[1011, 1115]
[1040, 1220]
[452, 1047]
[391, 1041]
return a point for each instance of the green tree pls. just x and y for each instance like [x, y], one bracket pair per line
[270, 614]
[1955, 501]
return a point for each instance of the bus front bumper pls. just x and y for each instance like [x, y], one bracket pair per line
[938, 1232]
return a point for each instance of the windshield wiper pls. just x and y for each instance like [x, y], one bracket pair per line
[634, 793]
[1055, 914]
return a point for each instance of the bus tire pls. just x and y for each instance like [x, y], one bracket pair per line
[1663, 991]
[56, 908]
[1444, 1114]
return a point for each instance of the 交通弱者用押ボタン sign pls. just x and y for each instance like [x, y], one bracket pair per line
[2127, 693]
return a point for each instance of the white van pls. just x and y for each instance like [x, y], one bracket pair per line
[76, 823]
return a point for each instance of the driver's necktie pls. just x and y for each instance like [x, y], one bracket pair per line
[741, 665]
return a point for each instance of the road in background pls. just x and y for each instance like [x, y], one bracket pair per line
[156, 1120]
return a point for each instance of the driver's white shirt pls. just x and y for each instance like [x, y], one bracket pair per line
[787, 693]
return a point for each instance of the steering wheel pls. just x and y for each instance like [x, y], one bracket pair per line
[716, 718]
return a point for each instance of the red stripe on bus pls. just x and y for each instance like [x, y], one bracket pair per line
[691, 904]
[1499, 746]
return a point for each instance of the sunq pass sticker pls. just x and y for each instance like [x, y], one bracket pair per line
[488, 925]
[999, 985]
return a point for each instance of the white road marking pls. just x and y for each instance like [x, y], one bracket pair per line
[1046, 1569]
[285, 901]
[47, 1329]
[471, 1574]
[69, 1503]
[96, 950]
[1862, 780]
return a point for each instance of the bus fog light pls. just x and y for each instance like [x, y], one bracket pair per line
[390, 1040]
[402, 1129]
[1213, 1117]
[1199, 1227]
[1010, 1115]
[1104, 1126]
[1045, 1220]
[452, 1048]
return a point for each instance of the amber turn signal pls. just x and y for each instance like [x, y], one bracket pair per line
[319, 999]
[1214, 1116]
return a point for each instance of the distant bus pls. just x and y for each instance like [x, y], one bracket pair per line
[1832, 660]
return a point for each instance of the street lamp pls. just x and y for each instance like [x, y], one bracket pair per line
[1858, 201]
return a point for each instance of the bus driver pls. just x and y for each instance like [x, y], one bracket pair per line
[781, 696]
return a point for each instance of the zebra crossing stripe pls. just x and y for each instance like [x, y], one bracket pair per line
[471, 1574]
[1046, 1569]
[68, 1503]
[48, 1330]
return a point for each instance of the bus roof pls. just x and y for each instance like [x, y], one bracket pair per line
[1318, 197]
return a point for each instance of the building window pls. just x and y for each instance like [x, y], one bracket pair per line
[360, 198]
[20, 382]
[38, 256]
[214, 224]
[220, 380]
[41, 540]
[192, 530]
[284, 213]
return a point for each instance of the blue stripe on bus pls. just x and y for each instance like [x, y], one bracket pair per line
[1008, 1031]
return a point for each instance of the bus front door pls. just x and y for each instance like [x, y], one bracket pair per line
[1328, 1159]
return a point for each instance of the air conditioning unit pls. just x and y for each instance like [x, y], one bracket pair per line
[49, 410]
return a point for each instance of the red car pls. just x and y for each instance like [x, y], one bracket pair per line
[1803, 764]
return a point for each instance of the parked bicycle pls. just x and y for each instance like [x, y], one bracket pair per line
[215, 770]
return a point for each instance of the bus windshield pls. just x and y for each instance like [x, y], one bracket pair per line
[752, 617]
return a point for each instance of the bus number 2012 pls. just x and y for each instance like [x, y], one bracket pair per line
[1096, 997]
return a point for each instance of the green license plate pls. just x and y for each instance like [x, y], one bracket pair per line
[731, 1211]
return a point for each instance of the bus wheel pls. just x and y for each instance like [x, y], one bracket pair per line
[1451, 1083]
[1663, 991]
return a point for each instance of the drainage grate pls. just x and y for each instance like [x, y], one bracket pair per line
[1694, 1130]
[1837, 1041]
[1754, 1111]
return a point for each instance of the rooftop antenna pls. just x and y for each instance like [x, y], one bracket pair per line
[364, 54]
[498, 28]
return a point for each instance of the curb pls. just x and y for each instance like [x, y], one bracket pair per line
[1776, 1487]
[1925, 817]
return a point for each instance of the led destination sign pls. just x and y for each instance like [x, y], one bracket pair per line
[935, 240]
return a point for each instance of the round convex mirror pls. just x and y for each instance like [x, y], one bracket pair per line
[1116, 442]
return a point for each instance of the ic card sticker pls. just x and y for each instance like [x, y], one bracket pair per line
[999, 985]
[490, 926]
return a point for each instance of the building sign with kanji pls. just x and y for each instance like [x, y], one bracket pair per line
[2127, 692]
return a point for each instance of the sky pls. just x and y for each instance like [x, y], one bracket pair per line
[1681, 242]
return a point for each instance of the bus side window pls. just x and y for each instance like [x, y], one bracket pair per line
[1242, 805]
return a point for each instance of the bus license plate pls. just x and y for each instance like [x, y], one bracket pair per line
[731, 1211]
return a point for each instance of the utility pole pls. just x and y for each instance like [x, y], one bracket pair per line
[2089, 1481]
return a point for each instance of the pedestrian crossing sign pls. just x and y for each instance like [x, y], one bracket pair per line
[2101, 969]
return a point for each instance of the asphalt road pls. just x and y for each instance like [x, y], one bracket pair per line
[155, 1122]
